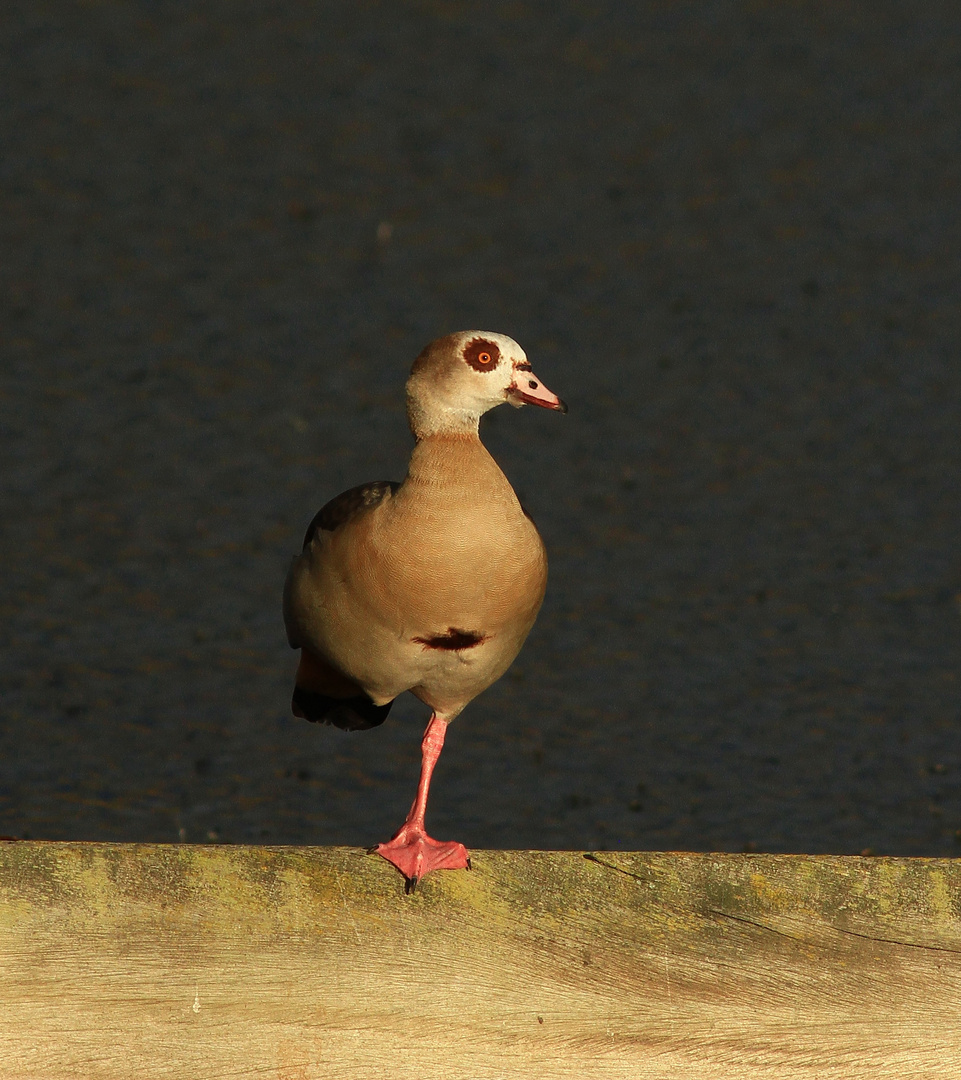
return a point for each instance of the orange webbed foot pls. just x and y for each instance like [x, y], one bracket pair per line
[415, 854]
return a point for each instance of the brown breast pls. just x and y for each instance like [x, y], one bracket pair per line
[453, 549]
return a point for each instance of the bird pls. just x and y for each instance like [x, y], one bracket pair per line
[429, 585]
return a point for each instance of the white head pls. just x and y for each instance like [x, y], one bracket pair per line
[458, 378]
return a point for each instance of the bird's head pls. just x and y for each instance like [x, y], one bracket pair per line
[458, 378]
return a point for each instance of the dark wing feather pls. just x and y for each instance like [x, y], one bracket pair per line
[349, 714]
[347, 504]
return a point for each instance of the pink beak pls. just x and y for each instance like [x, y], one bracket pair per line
[528, 390]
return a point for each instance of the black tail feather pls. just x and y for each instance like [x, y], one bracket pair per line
[349, 714]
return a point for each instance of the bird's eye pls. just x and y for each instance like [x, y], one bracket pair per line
[482, 355]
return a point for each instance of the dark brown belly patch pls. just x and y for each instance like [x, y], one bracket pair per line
[454, 640]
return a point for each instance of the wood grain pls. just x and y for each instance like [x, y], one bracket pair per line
[297, 963]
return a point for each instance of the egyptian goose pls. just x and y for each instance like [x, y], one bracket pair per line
[430, 585]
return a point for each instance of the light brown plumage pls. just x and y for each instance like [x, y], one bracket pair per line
[431, 585]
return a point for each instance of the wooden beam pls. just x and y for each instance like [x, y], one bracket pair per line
[137, 960]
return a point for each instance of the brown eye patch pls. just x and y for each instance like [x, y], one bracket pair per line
[482, 355]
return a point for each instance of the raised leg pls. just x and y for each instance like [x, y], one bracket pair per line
[411, 850]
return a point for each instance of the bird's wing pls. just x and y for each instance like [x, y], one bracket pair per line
[334, 515]
[348, 504]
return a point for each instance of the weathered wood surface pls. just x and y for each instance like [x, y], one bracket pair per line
[120, 961]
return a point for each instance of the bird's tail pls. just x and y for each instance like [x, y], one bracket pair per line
[322, 695]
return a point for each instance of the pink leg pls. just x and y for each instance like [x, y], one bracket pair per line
[411, 850]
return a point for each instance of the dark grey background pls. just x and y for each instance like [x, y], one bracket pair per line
[726, 232]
